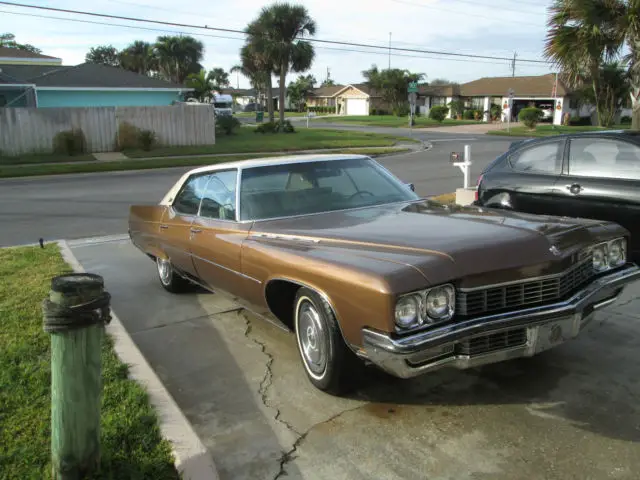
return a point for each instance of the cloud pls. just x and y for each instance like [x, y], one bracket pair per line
[463, 26]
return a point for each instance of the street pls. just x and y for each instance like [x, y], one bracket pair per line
[85, 205]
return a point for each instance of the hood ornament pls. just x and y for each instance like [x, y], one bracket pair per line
[555, 250]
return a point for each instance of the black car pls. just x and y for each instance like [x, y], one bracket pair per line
[591, 175]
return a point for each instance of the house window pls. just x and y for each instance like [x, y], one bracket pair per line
[573, 103]
[435, 101]
[477, 103]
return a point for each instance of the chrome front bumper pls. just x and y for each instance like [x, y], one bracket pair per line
[494, 338]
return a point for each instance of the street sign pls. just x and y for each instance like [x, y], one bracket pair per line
[413, 87]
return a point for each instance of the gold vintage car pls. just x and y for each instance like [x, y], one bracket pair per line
[341, 252]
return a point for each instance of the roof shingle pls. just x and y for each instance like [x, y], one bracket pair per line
[6, 52]
[87, 75]
[540, 86]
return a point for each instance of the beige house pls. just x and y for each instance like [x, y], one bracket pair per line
[352, 99]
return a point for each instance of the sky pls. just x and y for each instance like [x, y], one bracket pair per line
[480, 27]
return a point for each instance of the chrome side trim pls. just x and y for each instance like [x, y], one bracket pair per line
[276, 236]
[222, 267]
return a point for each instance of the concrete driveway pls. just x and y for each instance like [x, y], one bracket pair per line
[571, 413]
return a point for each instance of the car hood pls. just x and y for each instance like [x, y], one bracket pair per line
[445, 242]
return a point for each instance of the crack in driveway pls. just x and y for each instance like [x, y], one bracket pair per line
[290, 455]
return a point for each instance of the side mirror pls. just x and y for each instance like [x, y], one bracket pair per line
[411, 186]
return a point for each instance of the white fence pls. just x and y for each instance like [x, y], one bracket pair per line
[32, 130]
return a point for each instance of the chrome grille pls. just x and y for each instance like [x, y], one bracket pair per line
[492, 342]
[524, 294]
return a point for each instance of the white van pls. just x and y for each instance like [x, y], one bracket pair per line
[223, 104]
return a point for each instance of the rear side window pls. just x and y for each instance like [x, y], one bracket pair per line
[604, 158]
[544, 158]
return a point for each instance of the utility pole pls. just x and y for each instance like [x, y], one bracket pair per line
[513, 64]
[389, 50]
[328, 73]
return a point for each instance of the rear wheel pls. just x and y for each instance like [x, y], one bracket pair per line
[328, 362]
[169, 279]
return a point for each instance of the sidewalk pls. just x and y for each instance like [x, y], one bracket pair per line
[480, 128]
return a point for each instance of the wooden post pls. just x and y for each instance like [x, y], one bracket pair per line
[74, 314]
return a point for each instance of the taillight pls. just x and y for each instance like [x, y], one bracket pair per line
[477, 196]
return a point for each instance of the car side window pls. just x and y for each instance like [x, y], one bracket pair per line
[219, 198]
[188, 200]
[543, 159]
[604, 157]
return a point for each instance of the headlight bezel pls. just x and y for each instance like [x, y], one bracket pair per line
[619, 243]
[423, 319]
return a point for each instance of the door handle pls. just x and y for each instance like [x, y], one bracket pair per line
[164, 227]
[195, 230]
[574, 188]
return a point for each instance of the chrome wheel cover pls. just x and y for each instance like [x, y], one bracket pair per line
[164, 270]
[312, 338]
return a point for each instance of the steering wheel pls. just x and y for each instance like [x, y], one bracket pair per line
[362, 192]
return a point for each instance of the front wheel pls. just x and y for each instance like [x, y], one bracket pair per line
[328, 362]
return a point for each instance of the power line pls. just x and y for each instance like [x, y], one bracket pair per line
[506, 9]
[229, 30]
[458, 12]
[344, 50]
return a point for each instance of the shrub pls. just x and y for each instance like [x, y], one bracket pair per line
[147, 139]
[530, 116]
[457, 107]
[496, 111]
[286, 127]
[625, 120]
[401, 111]
[70, 142]
[467, 115]
[273, 127]
[227, 124]
[438, 113]
[580, 121]
[128, 136]
[477, 114]
[374, 111]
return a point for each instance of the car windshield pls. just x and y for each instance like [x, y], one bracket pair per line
[303, 188]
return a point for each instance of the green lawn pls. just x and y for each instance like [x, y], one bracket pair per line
[168, 162]
[393, 121]
[550, 130]
[246, 140]
[132, 445]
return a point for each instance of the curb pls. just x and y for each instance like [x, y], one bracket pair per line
[192, 459]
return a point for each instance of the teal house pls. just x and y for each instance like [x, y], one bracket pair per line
[45, 84]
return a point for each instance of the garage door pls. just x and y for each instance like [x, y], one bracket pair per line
[357, 106]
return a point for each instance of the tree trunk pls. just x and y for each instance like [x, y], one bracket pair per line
[270, 98]
[635, 108]
[283, 76]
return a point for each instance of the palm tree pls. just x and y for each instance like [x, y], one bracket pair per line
[218, 78]
[256, 66]
[628, 29]
[139, 57]
[178, 56]
[201, 84]
[278, 33]
[583, 36]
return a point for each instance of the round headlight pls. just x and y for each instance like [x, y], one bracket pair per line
[617, 253]
[599, 258]
[407, 311]
[439, 303]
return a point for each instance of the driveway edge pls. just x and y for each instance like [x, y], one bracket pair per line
[192, 459]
